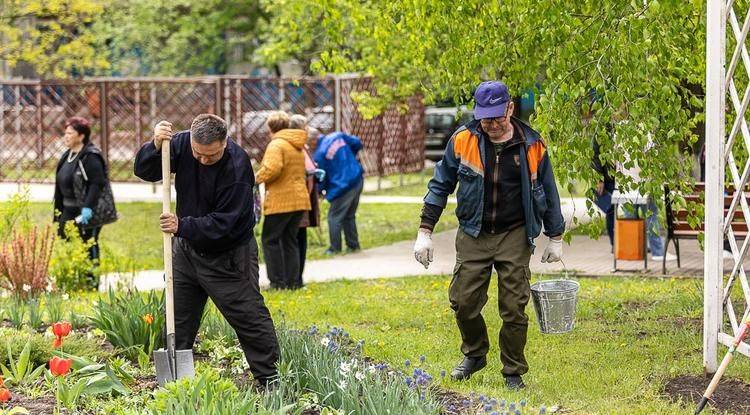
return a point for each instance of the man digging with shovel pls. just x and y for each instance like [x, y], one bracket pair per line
[506, 191]
[214, 250]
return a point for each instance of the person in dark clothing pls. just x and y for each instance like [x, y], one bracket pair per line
[311, 218]
[80, 182]
[506, 193]
[214, 250]
[603, 192]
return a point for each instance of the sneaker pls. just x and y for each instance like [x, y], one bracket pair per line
[670, 257]
[514, 382]
[727, 254]
[468, 366]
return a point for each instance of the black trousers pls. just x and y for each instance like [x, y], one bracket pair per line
[302, 244]
[230, 279]
[280, 248]
[69, 214]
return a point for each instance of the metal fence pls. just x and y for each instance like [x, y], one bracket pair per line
[124, 111]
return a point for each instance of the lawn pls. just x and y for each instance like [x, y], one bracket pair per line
[415, 184]
[631, 336]
[135, 243]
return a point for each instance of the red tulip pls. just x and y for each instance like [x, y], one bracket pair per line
[57, 342]
[61, 329]
[59, 367]
[2, 382]
[5, 395]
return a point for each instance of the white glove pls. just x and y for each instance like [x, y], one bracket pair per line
[553, 252]
[423, 247]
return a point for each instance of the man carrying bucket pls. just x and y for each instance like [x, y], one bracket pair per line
[506, 191]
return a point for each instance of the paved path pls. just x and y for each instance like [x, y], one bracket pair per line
[150, 192]
[389, 261]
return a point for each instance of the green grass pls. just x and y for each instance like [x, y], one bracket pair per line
[409, 184]
[135, 243]
[631, 336]
[415, 184]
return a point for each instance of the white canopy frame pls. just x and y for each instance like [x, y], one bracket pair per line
[722, 22]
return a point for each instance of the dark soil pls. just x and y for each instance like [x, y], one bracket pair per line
[144, 383]
[731, 397]
[43, 405]
[453, 402]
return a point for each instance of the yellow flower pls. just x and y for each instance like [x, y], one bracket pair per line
[148, 318]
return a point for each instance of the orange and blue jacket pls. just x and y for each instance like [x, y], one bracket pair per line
[464, 165]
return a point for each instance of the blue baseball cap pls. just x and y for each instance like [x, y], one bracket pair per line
[491, 99]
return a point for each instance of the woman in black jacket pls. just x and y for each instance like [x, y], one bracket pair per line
[82, 190]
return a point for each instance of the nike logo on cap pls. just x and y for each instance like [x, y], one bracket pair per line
[494, 101]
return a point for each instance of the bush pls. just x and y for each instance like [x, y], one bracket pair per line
[215, 327]
[41, 346]
[343, 379]
[14, 214]
[24, 262]
[132, 321]
[70, 264]
[206, 394]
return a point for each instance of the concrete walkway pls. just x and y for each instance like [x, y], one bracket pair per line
[151, 192]
[396, 260]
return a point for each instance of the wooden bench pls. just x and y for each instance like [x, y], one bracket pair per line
[677, 219]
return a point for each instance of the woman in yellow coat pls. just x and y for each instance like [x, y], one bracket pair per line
[286, 199]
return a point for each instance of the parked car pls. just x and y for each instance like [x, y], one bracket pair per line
[440, 124]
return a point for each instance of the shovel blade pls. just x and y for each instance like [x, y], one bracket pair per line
[183, 366]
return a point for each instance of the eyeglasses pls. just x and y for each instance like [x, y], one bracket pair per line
[498, 120]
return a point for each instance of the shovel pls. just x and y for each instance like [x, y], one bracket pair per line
[723, 367]
[171, 364]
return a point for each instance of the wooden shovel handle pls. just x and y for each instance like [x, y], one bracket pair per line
[165, 208]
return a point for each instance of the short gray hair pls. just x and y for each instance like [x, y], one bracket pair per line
[208, 128]
[297, 122]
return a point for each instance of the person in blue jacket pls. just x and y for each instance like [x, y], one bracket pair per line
[506, 194]
[336, 154]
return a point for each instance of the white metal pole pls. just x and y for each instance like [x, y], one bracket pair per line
[714, 198]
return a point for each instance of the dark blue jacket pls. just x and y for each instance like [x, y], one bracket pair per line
[463, 164]
[337, 155]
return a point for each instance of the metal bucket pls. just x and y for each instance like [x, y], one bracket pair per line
[555, 305]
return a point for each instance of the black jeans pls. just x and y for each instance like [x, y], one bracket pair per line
[69, 214]
[280, 248]
[343, 214]
[302, 245]
[230, 279]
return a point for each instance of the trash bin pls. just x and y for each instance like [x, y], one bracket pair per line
[630, 238]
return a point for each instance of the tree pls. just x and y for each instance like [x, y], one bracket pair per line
[50, 35]
[176, 37]
[632, 63]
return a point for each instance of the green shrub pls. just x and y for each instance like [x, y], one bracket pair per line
[121, 316]
[15, 309]
[14, 214]
[206, 394]
[53, 306]
[41, 346]
[70, 264]
[34, 313]
[343, 379]
[215, 327]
